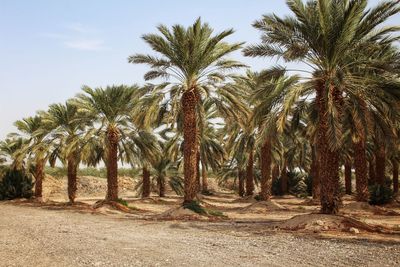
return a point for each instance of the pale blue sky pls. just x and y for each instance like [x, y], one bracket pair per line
[49, 49]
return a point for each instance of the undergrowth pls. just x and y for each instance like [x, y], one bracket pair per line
[196, 207]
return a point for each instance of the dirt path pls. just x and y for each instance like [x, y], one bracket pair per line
[40, 237]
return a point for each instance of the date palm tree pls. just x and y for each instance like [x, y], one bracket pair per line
[195, 60]
[108, 109]
[327, 36]
[68, 132]
[33, 129]
[9, 149]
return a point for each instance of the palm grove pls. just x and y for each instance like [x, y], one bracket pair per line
[205, 112]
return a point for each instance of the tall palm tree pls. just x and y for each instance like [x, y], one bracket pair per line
[195, 59]
[325, 35]
[108, 109]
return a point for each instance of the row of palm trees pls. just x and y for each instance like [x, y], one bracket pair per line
[342, 109]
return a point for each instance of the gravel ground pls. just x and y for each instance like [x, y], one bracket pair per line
[41, 237]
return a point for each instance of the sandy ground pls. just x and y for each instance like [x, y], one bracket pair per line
[44, 237]
[285, 232]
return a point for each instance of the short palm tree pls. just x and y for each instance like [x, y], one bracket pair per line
[67, 132]
[9, 149]
[33, 129]
[195, 60]
[108, 110]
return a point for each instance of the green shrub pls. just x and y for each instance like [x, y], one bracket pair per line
[196, 207]
[122, 202]
[298, 185]
[15, 184]
[380, 194]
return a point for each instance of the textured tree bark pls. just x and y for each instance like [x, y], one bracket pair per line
[347, 177]
[284, 179]
[190, 147]
[241, 178]
[328, 160]
[39, 176]
[315, 175]
[266, 184]
[161, 186]
[204, 176]
[380, 164]
[250, 176]
[198, 174]
[112, 164]
[146, 182]
[371, 171]
[395, 165]
[275, 172]
[360, 166]
[72, 169]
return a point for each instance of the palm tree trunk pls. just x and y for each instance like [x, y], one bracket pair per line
[395, 164]
[316, 186]
[380, 164]
[190, 147]
[284, 179]
[161, 186]
[275, 172]
[347, 177]
[241, 178]
[112, 164]
[265, 193]
[329, 159]
[198, 174]
[39, 176]
[72, 168]
[360, 166]
[204, 176]
[371, 171]
[250, 176]
[146, 182]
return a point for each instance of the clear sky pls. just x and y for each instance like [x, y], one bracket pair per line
[49, 49]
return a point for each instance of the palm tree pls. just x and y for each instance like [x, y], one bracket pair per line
[195, 59]
[326, 35]
[9, 149]
[32, 128]
[67, 132]
[108, 109]
[142, 149]
[211, 151]
[267, 89]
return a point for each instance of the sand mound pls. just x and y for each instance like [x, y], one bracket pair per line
[314, 222]
[53, 187]
[87, 186]
[179, 213]
[263, 206]
[323, 222]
